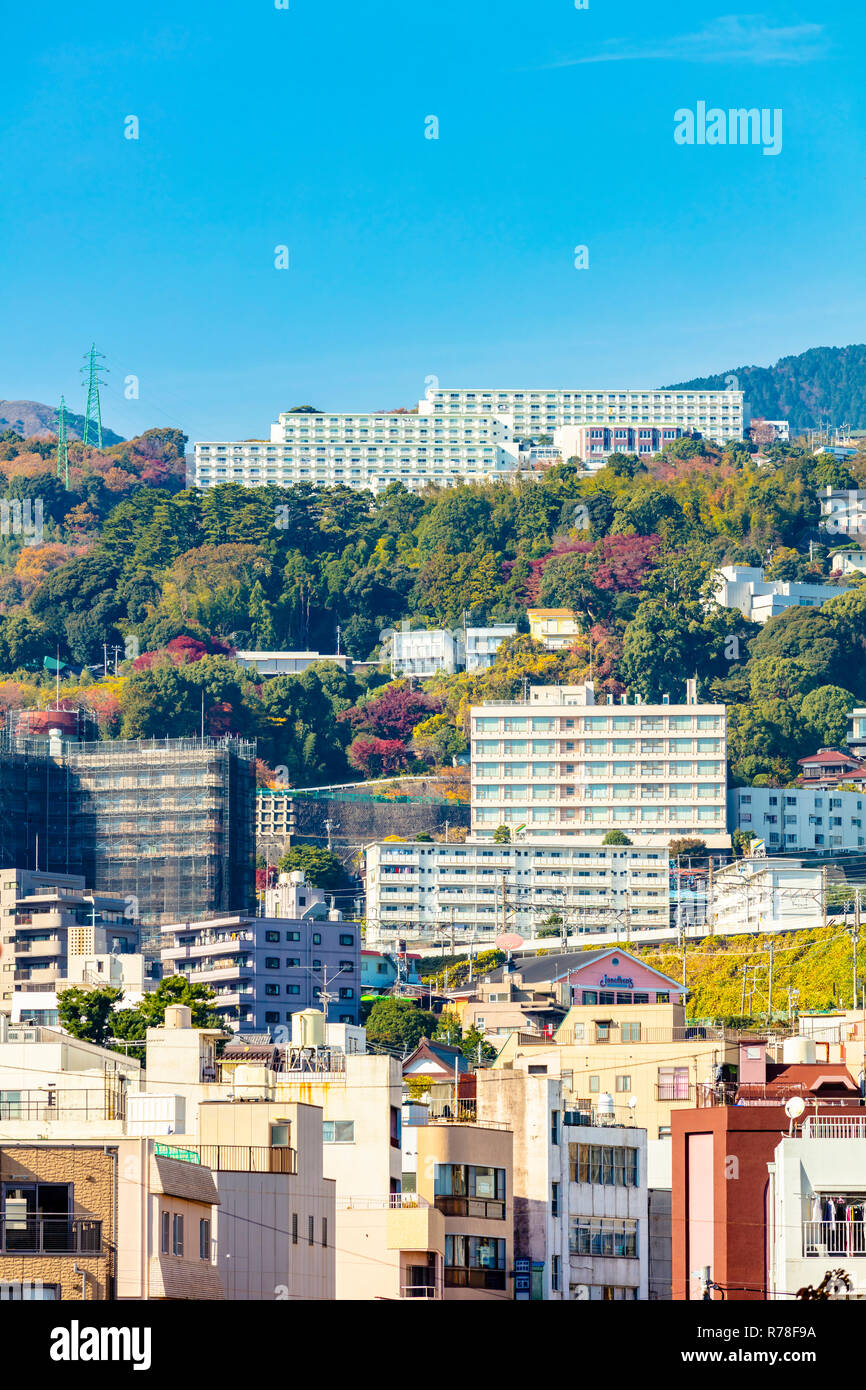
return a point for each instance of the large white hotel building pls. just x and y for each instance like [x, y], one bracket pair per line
[455, 436]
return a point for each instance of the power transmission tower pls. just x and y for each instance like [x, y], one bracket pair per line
[93, 410]
[62, 446]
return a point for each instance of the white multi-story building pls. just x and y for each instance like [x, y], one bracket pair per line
[843, 510]
[800, 818]
[816, 1206]
[480, 889]
[482, 644]
[424, 652]
[287, 663]
[558, 764]
[718, 415]
[767, 895]
[367, 450]
[758, 599]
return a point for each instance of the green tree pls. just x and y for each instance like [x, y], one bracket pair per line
[686, 845]
[132, 1024]
[89, 1013]
[616, 837]
[400, 1023]
[502, 835]
[825, 713]
[321, 867]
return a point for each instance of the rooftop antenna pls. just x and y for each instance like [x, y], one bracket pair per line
[62, 446]
[93, 411]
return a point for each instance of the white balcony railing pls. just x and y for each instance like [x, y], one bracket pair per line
[835, 1127]
[826, 1238]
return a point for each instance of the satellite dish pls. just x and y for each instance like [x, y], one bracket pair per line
[794, 1107]
[581, 1292]
[508, 941]
[632, 1102]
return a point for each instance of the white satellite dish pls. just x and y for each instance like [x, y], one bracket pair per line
[581, 1292]
[632, 1102]
[794, 1107]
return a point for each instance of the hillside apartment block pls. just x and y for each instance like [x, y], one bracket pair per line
[801, 818]
[558, 765]
[452, 436]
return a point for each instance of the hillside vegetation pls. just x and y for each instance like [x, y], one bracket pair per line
[824, 383]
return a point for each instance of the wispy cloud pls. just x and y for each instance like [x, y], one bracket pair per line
[729, 39]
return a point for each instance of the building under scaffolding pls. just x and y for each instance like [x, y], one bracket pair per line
[169, 823]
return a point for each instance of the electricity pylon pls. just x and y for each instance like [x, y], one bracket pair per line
[93, 411]
[62, 446]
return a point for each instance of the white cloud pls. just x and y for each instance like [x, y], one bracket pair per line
[729, 39]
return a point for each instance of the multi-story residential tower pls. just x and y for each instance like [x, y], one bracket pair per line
[557, 764]
[718, 415]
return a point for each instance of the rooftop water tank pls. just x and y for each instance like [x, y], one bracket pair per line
[604, 1107]
[311, 1027]
[798, 1050]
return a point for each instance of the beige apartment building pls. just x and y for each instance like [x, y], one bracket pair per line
[99, 1222]
[636, 1063]
[464, 1171]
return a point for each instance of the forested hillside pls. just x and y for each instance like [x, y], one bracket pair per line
[173, 581]
[824, 383]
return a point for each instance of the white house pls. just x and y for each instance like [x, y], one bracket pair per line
[843, 510]
[848, 562]
[817, 1204]
[287, 663]
[423, 652]
[766, 895]
[482, 644]
[759, 599]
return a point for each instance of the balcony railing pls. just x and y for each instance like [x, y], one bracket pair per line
[387, 1201]
[61, 1105]
[483, 1208]
[244, 1158]
[835, 1127]
[675, 1090]
[49, 1235]
[460, 1278]
[823, 1238]
[418, 1291]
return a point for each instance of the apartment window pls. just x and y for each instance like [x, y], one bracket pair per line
[604, 1237]
[396, 1126]
[346, 939]
[272, 936]
[272, 962]
[272, 989]
[347, 994]
[311, 1231]
[292, 962]
[554, 1126]
[554, 1199]
[474, 1262]
[294, 1228]
[165, 1233]
[673, 1083]
[317, 938]
[338, 1131]
[177, 1234]
[279, 1136]
[324, 1230]
[272, 1016]
[293, 936]
[623, 1083]
[293, 989]
[594, 1085]
[604, 1164]
[556, 1274]
[204, 1240]
[347, 965]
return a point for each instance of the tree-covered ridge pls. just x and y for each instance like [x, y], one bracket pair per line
[824, 383]
[171, 583]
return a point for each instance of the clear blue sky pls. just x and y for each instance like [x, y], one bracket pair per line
[412, 257]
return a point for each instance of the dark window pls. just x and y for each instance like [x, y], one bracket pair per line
[317, 938]
[347, 965]
[347, 994]
[204, 1239]
[293, 936]
[293, 989]
[272, 1016]
[272, 936]
[346, 939]
[177, 1234]
[324, 1230]
[272, 989]
[272, 962]
[294, 1228]
[292, 962]
[165, 1242]
[312, 1235]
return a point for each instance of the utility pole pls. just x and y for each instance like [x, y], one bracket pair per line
[823, 895]
[770, 946]
[855, 939]
[743, 995]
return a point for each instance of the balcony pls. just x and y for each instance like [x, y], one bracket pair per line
[834, 1127]
[244, 1158]
[49, 1235]
[675, 1091]
[825, 1238]
[480, 1208]
[52, 1104]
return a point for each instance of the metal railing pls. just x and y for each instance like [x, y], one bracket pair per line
[483, 1208]
[49, 1235]
[674, 1090]
[418, 1291]
[834, 1127]
[834, 1238]
[387, 1201]
[244, 1158]
[60, 1105]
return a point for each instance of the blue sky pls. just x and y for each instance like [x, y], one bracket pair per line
[412, 257]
